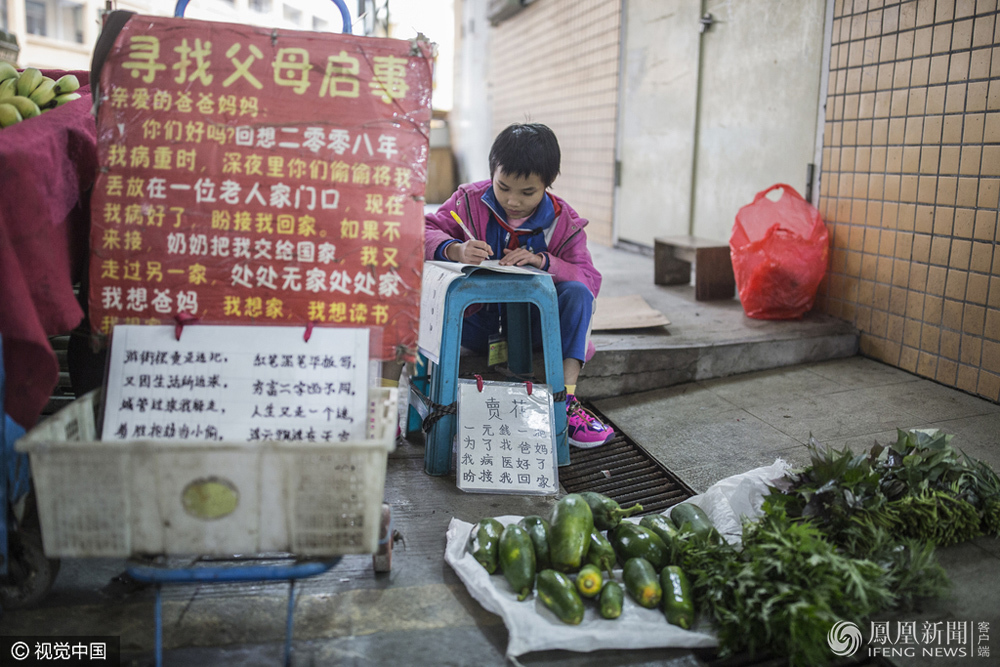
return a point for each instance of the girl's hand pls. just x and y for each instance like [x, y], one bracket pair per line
[470, 252]
[521, 257]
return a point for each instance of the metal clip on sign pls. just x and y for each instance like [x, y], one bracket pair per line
[344, 12]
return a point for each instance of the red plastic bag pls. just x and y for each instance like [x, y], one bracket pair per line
[780, 251]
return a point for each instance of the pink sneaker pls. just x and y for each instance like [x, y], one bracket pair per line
[585, 429]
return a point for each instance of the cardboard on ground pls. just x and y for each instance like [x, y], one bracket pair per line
[626, 312]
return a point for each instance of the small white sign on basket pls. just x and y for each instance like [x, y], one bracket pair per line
[505, 440]
[237, 383]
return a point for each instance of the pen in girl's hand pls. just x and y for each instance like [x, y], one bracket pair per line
[461, 224]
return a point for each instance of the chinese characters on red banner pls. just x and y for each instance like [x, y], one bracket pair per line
[252, 176]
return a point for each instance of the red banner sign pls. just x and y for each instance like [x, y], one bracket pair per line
[250, 175]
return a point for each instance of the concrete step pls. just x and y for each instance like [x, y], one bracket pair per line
[704, 340]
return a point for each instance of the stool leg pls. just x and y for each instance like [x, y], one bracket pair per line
[519, 338]
[158, 622]
[289, 619]
[421, 383]
[444, 389]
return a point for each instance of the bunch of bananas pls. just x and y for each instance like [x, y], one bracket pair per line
[936, 516]
[28, 93]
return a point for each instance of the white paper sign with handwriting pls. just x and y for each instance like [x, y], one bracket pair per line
[236, 383]
[505, 442]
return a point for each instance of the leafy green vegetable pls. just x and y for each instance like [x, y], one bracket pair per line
[784, 590]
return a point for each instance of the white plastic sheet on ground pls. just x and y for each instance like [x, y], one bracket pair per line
[532, 627]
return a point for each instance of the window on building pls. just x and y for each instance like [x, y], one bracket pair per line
[293, 15]
[319, 25]
[69, 22]
[3, 15]
[34, 14]
[262, 6]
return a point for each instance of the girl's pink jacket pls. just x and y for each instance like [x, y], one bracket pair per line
[569, 258]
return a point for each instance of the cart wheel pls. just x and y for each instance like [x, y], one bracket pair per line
[382, 559]
[30, 574]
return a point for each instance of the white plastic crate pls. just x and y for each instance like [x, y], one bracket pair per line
[98, 498]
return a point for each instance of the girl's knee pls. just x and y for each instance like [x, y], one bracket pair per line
[575, 296]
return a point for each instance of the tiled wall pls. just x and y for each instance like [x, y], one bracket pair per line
[556, 62]
[910, 182]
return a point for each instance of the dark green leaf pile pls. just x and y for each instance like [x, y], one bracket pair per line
[784, 590]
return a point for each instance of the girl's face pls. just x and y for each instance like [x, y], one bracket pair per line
[518, 195]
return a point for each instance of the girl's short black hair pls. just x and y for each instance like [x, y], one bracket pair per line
[523, 149]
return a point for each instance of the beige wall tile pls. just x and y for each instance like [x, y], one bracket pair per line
[924, 222]
[933, 309]
[981, 259]
[927, 364]
[968, 378]
[947, 372]
[926, 189]
[991, 329]
[947, 190]
[955, 285]
[982, 32]
[939, 69]
[986, 225]
[964, 223]
[979, 66]
[894, 328]
[989, 385]
[921, 248]
[971, 351]
[908, 358]
[970, 161]
[914, 306]
[973, 319]
[950, 343]
[918, 276]
[950, 159]
[936, 277]
[961, 252]
[955, 94]
[978, 288]
[941, 37]
[991, 161]
[991, 356]
[989, 190]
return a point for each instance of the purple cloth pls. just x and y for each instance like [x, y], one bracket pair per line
[47, 166]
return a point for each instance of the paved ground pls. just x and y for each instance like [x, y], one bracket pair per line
[421, 614]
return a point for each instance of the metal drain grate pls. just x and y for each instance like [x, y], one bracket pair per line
[624, 472]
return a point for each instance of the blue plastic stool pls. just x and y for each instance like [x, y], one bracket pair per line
[519, 292]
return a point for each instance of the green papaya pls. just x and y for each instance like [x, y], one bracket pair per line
[606, 511]
[601, 553]
[678, 603]
[664, 528]
[484, 543]
[642, 583]
[559, 596]
[690, 518]
[541, 534]
[589, 581]
[517, 560]
[612, 598]
[630, 540]
[571, 524]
